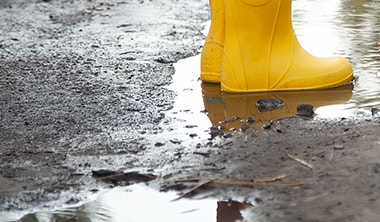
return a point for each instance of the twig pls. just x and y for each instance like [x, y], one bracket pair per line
[332, 155]
[1, 47]
[119, 174]
[266, 180]
[274, 181]
[303, 162]
[259, 183]
[204, 154]
[193, 189]
[115, 175]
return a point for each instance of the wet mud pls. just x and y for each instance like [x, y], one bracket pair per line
[85, 106]
[81, 85]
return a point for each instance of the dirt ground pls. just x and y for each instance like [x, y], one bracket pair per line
[82, 88]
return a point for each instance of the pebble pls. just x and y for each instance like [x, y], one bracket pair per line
[244, 127]
[159, 144]
[175, 141]
[338, 147]
[305, 110]
[375, 112]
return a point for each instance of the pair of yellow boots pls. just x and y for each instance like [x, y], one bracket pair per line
[251, 46]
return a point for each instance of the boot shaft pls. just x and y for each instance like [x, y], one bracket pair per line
[261, 51]
[261, 27]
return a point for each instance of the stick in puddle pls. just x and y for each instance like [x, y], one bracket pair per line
[260, 182]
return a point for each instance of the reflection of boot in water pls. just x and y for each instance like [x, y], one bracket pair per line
[233, 110]
[213, 102]
[229, 211]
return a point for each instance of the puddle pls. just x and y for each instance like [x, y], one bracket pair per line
[141, 203]
[187, 120]
[348, 28]
[127, 204]
[199, 105]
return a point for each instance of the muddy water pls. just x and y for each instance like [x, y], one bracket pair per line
[126, 204]
[349, 28]
[141, 203]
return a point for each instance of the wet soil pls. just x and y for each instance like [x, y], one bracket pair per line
[83, 91]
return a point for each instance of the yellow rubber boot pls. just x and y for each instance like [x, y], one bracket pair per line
[261, 51]
[212, 51]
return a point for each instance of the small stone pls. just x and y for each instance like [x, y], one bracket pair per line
[375, 112]
[164, 60]
[250, 120]
[232, 119]
[338, 147]
[305, 110]
[244, 127]
[267, 105]
[258, 200]
[215, 131]
[227, 135]
[159, 144]
[268, 125]
[175, 141]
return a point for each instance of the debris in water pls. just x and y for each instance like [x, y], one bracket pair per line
[175, 141]
[244, 127]
[227, 135]
[266, 105]
[268, 125]
[232, 119]
[216, 131]
[273, 181]
[375, 112]
[205, 154]
[305, 110]
[164, 60]
[120, 178]
[250, 120]
[159, 144]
